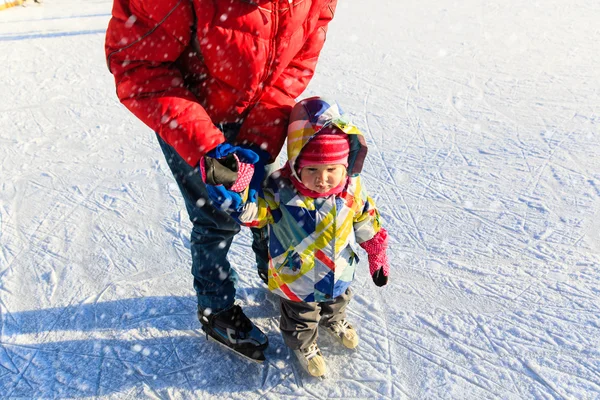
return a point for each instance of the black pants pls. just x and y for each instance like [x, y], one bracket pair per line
[212, 233]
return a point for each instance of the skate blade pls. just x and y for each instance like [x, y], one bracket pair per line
[247, 357]
[322, 377]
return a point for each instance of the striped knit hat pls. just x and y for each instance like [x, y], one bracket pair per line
[329, 146]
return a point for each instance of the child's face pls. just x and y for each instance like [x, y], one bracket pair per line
[321, 178]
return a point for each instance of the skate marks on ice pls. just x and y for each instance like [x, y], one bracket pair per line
[35, 35]
[469, 346]
[51, 23]
[151, 347]
[137, 347]
[492, 213]
[510, 277]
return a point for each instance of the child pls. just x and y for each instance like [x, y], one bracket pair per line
[317, 211]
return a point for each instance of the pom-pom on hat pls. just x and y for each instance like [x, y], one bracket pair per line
[329, 146]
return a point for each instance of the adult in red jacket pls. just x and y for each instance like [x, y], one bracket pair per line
[218, 77]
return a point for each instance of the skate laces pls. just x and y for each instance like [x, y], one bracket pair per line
[340, 326]
[311, 351]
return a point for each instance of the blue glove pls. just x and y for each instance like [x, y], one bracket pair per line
[224, 199]
[224, 149]
[255, 186]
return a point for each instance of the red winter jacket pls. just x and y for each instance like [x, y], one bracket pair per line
[182, 66]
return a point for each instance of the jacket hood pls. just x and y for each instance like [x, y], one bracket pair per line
[308, 118]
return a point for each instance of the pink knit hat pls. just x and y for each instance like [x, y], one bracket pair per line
[326, 147]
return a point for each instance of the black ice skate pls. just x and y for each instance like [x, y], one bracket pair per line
[232, 329]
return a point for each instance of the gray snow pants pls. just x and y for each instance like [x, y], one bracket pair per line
[299, 321]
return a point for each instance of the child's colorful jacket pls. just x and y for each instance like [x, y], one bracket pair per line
[313, 243]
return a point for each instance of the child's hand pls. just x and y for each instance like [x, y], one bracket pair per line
[379, 266]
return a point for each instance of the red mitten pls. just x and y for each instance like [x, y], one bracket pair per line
[379, 266]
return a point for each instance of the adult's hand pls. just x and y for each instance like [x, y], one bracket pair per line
[244, 154]
[226, 200]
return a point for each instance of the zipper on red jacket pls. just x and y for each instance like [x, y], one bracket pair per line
[270, 58]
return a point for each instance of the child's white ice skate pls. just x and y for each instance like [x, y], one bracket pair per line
[312, 360]
[344, 332]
